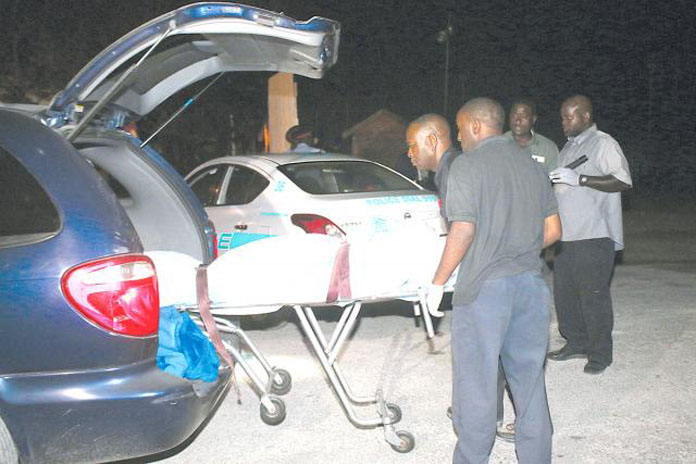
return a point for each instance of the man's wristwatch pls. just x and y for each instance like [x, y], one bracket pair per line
[582, 181]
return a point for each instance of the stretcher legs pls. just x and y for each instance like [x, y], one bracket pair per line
[420, 309]
[277, 381]
[387, 414]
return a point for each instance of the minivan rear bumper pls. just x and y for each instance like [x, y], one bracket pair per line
[104, 415]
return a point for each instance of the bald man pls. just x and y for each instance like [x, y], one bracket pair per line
[503, 212]
[589, 201]
[430, 149]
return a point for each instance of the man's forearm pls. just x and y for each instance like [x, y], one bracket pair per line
[603, 183]
[552, 230]
[459, 239]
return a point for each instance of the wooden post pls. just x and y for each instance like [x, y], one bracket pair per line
[282, 109]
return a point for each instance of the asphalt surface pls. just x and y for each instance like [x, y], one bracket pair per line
[642, 409]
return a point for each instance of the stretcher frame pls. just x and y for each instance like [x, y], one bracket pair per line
[278, 381]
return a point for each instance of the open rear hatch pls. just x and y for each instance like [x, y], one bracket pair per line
[144, 68]
[151, 63]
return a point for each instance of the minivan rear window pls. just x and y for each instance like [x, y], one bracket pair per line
[26, 212]
[327, 177]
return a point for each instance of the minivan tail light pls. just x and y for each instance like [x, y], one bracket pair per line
[315, 224]
[119, 294]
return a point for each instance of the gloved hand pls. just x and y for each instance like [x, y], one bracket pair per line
[565, 176]
[433, 298]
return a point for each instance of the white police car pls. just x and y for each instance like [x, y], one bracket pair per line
[254, 197]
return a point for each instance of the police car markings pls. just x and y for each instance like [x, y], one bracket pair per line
[280, 186]
[227, 241]
[380, 225]
[404, 199]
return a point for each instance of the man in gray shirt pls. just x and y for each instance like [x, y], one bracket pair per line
[589, 201]
[522, 117]
[502, 212]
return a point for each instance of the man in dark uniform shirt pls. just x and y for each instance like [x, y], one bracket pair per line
[430, 149]
[502, 212]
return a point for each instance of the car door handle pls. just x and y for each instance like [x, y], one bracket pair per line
[241, 227]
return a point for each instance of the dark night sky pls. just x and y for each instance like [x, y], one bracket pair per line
[633, 58]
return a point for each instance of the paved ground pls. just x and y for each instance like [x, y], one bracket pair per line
[641, 410]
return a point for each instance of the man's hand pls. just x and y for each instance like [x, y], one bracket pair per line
[433, 298]
[565, 176]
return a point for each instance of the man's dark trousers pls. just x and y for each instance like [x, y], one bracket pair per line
[582, 273]
[508, 320]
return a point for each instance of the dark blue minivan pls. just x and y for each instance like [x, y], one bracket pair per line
[79, 302]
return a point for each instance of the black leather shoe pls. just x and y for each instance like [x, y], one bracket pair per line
[565, 354]
[594, 368]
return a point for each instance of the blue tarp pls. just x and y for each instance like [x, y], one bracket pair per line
[184, 350]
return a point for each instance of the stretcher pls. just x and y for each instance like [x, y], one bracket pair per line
[273, 381]
[335, 291]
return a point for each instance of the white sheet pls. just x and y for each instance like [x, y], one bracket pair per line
[282, 269]
[258, 277]
[176, 276]
[394, 264]
[262, 276]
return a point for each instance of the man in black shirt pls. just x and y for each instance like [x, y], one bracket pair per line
[430, 149]
[502, 212]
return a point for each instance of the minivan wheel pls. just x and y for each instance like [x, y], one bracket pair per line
[8, 451]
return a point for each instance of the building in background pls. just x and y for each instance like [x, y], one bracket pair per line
[380, 137]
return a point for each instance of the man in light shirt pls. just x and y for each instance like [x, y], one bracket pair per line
[589, 202]
[522, 117]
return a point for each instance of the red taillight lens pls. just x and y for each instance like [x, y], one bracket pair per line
[315, 224]
[119, 294]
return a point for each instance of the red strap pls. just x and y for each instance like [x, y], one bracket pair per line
[209, 323]
[204, 311]
[339, 285]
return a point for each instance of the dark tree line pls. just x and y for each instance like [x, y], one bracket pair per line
[634, 58]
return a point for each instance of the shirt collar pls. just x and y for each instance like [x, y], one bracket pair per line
[509, 135]
[451, 151]
[584, 135]
[305, 148]
[491, 139]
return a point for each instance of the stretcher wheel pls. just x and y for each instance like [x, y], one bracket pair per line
[274, 417]
[282, 382]
[394, 412]
[407, 442]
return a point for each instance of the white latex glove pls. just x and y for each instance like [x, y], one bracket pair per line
[433, 298]
[565, 176]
